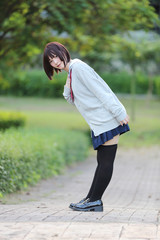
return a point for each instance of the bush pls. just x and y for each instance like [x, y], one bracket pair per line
[11, 119]
[35, 83]
[142, 83]
[29, 155]
[157, 84]
[118, 82]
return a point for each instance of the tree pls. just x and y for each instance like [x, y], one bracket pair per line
[150, 62]
[139, 52]
[105, 19]
[27, 25]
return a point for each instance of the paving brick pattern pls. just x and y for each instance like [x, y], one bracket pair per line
[131, 203]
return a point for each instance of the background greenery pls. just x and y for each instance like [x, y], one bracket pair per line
[85, 26]
[58, 114]
[119, 39]
[35, 83]
[29, 155]
[112, 36]
[11, 119]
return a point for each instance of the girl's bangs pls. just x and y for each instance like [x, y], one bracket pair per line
[50, 54]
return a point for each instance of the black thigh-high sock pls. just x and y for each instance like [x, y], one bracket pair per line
[94, 178]
[93, 183]
[105, 157]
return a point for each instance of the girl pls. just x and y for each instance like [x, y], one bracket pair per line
[104, 113]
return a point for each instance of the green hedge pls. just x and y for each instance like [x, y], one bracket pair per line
[35, 83]
[157, 85]
[32, 83]
[29, 155]
[120, 82]
[11, 119]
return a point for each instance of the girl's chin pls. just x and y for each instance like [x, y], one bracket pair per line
[61, 66]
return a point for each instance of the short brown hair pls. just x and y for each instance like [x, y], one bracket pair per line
[51, 49]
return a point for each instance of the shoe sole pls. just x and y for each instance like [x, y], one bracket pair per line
[89, 209]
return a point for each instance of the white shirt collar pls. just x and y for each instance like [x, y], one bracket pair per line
[72, 62]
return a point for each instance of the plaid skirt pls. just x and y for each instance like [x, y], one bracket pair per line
[106, 136]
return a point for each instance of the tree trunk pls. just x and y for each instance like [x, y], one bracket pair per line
[150, 90]
[133, 93]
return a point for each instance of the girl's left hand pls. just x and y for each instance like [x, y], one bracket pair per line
[125, 121]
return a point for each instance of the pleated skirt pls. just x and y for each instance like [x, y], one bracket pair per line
[106, 136]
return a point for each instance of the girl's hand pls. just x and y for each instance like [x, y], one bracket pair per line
[68, 82]
[125, 121]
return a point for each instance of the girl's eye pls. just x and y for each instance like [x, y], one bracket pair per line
[53, 56]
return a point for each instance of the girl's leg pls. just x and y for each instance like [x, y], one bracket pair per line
[93, 182]
[112, 141]
[106, 155]
[108, 170]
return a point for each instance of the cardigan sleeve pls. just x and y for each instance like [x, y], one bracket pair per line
[101, 90]
[67, 95]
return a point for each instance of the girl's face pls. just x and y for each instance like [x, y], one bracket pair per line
[56, 62]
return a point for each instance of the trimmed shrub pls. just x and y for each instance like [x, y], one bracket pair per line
[157, 84]
[11, 119]
[27, 156]
[121, 82]
[118, 82]
[34, 82]
[142, 83]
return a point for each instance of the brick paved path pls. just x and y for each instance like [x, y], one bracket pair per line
[131, 203]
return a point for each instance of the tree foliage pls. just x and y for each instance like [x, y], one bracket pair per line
[105, 19]
[26, 26]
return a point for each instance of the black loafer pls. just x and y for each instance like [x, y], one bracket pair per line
[73, 204]
[96, 206]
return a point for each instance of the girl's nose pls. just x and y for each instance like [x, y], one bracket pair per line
[55, 60]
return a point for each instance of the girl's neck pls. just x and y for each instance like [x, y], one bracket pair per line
[66, 68]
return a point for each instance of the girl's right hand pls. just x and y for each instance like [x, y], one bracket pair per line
[125, 121]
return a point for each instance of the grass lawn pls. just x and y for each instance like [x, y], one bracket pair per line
[57, 113]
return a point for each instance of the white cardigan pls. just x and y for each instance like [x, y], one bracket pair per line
[94, 99]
